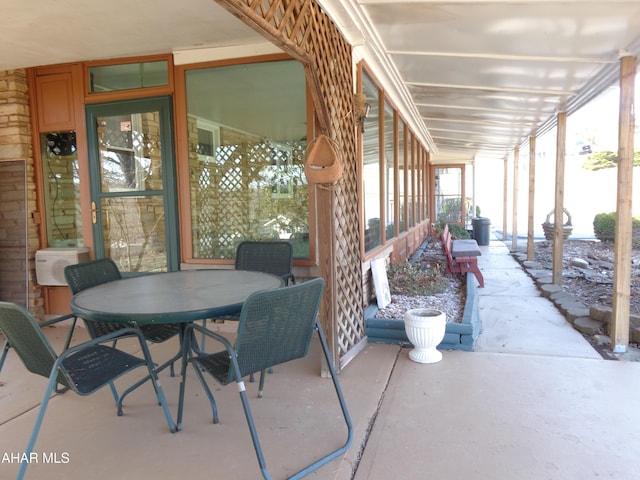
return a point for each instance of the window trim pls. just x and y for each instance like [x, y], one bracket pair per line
[182, 161]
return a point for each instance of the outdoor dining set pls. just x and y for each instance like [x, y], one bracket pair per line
[276, 319]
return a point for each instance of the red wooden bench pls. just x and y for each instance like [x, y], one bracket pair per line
[461, 257]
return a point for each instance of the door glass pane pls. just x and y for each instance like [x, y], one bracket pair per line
[134, 232]
[448, 195]
[130, 152]
[131, 193]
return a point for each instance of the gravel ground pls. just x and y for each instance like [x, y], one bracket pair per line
[590, 281]
[451, 301]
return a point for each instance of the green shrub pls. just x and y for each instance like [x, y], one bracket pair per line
[458, 231]
[604, 226]
[413, 279]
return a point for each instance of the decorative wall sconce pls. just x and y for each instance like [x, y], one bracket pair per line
[361, 108]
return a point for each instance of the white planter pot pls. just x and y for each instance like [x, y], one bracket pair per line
[425, 329]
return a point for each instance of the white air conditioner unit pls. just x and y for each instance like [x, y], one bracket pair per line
[50, 263]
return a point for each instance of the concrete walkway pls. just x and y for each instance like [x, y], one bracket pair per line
[534, 401]
[516, 318]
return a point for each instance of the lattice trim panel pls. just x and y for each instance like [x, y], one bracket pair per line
[303, 30]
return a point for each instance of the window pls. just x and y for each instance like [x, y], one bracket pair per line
[128, 76]
[411, 151]
[62, 189]
[246, 129]
[402, 175]
[448, 195]
[371, 166]
[389, 163]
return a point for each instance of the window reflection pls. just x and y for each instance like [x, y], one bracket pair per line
[371, 166]
[247, 142]
[389, 155]
[62, 193]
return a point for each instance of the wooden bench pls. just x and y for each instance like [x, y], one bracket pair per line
[462, 255]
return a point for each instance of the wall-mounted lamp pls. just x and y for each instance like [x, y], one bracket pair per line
[361, 108]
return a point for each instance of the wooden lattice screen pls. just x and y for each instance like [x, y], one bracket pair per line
[304, 31]
[227, 181]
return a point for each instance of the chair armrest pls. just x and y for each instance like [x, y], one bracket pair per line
[117, 335]
[56, 320]
[209, 333]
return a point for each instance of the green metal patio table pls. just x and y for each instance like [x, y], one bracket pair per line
[171, 297]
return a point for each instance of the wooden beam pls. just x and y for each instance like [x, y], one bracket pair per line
[505, 188]
[623, 234]
[532, 190]
[558, 212]
[514, 225]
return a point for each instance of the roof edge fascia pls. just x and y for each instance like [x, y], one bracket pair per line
[353, 23]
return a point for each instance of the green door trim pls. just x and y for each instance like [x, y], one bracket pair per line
[163, 105]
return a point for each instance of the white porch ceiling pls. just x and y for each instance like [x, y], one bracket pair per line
[484, 76]
[475, 78]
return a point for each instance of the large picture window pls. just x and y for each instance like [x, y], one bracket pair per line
[246, 128]
[389, 170]
[402, 176]
[371, 166]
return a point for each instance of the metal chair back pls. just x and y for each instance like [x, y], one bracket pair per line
[26, 337]
[276, 326]
[268, 256]
[89, 274]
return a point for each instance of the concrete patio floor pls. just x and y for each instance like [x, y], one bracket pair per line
[533, 401]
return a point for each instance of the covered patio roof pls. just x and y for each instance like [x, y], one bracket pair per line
[475, 78]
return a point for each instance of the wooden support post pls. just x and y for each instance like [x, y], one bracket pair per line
[532, 188]
[514, 225]
[505, 188]
[623, 241]
[558, 212]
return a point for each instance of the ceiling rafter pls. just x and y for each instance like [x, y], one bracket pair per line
[482, 109]
[493, 123]
[489, 88]
[505, 57]
[471, 132]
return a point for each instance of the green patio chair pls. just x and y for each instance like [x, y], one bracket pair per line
[268, 256]
[83, 368]
[96, 272]
[275, 326]
[7, 345]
